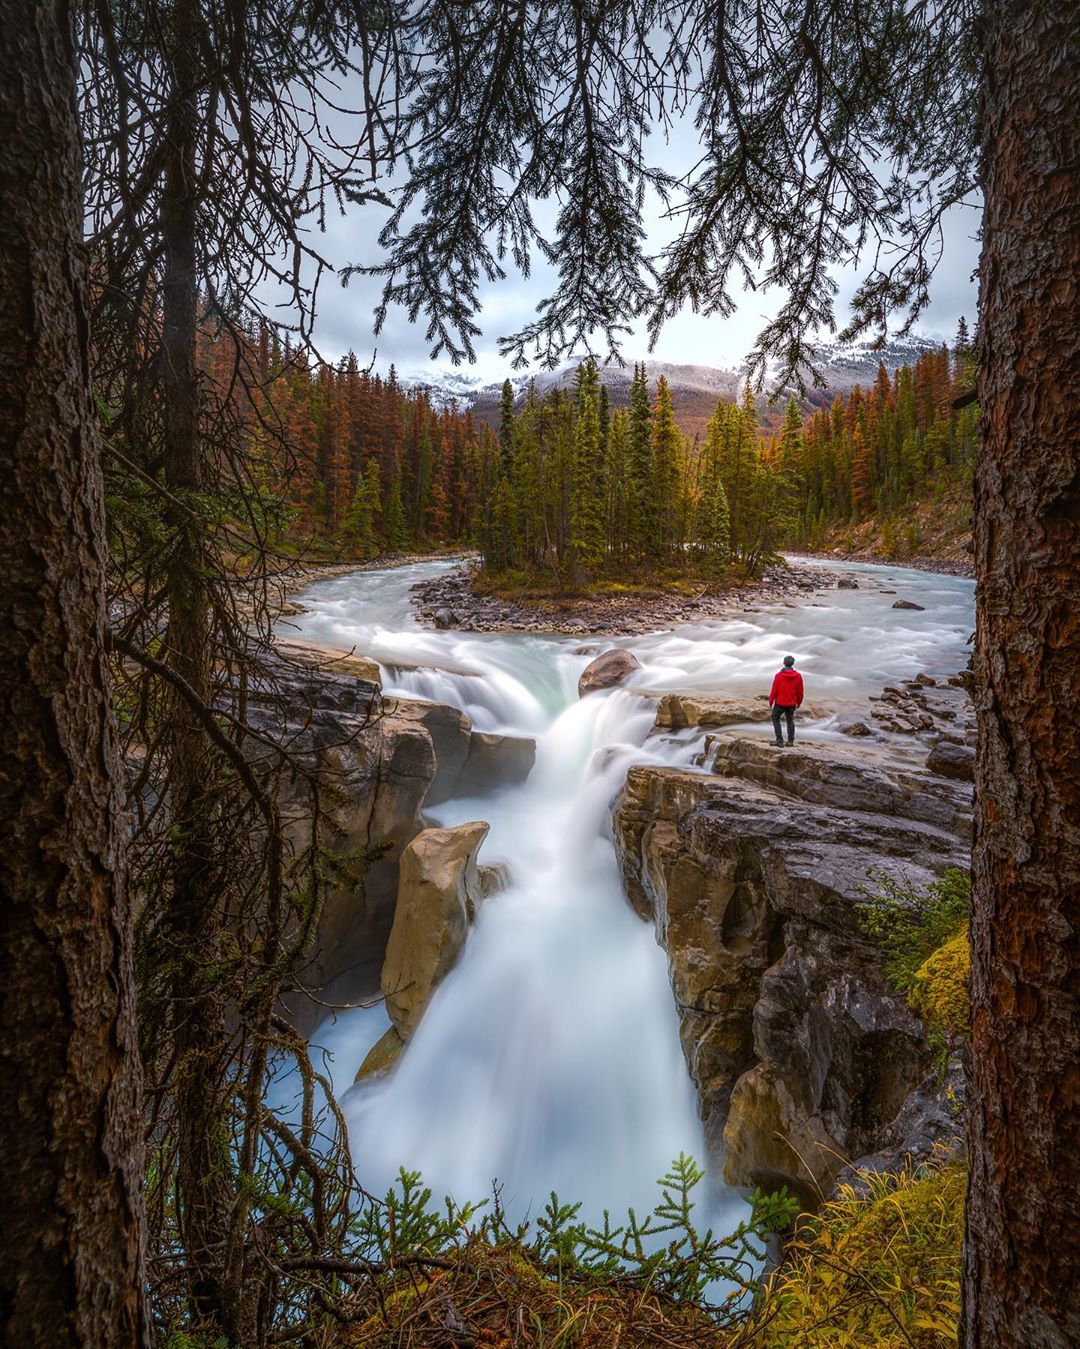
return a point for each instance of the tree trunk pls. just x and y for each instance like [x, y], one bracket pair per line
[203, 1196]
[71, 1263]
[1022, 1262]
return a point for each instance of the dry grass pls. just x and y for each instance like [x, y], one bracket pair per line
[495, 1296]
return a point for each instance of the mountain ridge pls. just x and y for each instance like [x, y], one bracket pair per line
[695, 387]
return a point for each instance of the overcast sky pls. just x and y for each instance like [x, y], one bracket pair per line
[345, 314]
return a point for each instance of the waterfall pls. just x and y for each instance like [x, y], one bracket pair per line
[549, 1058]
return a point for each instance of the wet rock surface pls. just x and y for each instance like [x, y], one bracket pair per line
[495, 761]
[328, 659]
[450, 600]
[606, 671]
[382, 1057]
[802, 1054]
[439, 889]
[379, 761]
[677, 711]
[930, 1122]
[949, 760]
[927, 708]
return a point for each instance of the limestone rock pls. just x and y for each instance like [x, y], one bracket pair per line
[449, 731]
[495, 761]
[438, 890]
[851, 780]
[379, 769]
[752, 880]
[327, 658]
[492, 880]
[857, 729]
[607, 670]
[676, 711]
[954, 761]
[930, 1121]
[382, 1057]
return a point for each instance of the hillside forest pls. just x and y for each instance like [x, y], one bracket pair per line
[566, 486]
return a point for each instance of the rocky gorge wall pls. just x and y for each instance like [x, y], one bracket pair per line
[378, 761]
[804, 1058]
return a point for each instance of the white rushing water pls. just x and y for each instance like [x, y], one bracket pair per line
[549, 1058]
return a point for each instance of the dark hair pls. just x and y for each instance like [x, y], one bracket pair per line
[789, 660]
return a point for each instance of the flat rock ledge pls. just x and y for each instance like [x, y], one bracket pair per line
[677, 711]
[803, 1056]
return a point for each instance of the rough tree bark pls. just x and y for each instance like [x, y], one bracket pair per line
[195, 905]
[1022, 1263]
[71, 1267]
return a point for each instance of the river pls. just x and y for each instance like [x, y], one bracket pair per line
[549, 1058]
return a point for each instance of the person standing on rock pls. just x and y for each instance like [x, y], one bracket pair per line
[785, 697]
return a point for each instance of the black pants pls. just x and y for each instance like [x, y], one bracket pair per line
[789, 713]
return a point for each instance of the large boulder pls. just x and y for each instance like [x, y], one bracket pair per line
[949, 760]
[607, 670]
[438, 890]
[802, 1052]
[676, 711]
[495, 761]
[382, 1057]
[450, 732]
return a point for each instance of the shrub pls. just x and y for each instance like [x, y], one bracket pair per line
[890, 539]
[939, 990]
[881, 1270]
[924, 933]
[910, 923]
[559, 1281]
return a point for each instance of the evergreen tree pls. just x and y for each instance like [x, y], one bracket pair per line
[393, 514]
[642, 513]
[506, 428]
[358, 524]
[586, 535]
[502, 548]
[715, 533]
[789, 478]
[666, 446]
[861, 492]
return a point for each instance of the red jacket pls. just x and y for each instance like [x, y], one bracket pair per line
[786, 689]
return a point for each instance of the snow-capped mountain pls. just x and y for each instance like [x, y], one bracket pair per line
[695, 387]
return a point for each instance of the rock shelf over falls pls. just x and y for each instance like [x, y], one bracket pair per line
[803, 1056]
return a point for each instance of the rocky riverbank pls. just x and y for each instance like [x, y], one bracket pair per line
[451, 601]
[942, 566]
